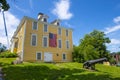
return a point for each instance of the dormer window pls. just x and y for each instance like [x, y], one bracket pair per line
[56, 22]
[45, 20]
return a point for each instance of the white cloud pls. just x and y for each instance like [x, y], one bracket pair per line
[22, 9]
[115, 41]
[117, 19]
[112, 29]
[114, 46]
[11, 24]
[61, 9]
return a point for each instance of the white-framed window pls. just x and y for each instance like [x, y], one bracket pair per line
[45, 20]
[67, 44]
[59, 31]
[64, 57]
[38, 56]
[45, 41]
[67, 32]
[45, 28]
[59, 43]
[34, 39]
[34, 25]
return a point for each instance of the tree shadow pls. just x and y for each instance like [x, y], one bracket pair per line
[42, 72]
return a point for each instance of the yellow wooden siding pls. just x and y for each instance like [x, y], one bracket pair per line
[30, 51]
[20, 36]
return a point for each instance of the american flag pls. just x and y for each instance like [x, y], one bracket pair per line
[52, 40]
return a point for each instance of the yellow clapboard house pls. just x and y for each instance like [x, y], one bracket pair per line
[37, 40]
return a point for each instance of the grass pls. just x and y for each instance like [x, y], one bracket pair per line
[6, 61]
[61, 71]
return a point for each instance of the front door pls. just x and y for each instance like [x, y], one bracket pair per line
[48, 57]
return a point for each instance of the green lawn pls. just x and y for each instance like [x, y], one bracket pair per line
[61, 71]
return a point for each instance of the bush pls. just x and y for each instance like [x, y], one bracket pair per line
[8, 54]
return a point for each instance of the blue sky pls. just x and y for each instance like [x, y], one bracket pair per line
[82, 15]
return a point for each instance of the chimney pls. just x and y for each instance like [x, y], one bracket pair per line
[42, 17]
[56, 22]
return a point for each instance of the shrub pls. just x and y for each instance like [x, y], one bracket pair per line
[8, 54]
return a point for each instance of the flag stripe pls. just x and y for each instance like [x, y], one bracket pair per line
[52, 40]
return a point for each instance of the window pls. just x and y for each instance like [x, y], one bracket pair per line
[58, 23]
[67, 44]
[66, 32]
[59, 43]
[45, 41]
[39, 56]
[34, 40]
[59, 31]
[45, 28]
[45, 20]
[63, 56]
[34, 27]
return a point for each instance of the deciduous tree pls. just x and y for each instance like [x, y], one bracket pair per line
[92, 46]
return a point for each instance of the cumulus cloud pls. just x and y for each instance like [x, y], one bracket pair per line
[115, 41]
[61, 9]
[11, 23]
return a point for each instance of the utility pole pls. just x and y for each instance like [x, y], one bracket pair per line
[2, 10]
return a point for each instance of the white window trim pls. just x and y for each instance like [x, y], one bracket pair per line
[43, 27]
[36, 39]
[37, 53]
[68, 44]
[65, 57]
[43, 41]
[33, 23]
[66, 32]
[58, 43]
[58, 31]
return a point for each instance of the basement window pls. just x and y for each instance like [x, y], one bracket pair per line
[39, 56]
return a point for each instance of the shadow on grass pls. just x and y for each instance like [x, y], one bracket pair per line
[42, 72]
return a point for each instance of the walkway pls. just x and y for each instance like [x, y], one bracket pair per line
[1, 75]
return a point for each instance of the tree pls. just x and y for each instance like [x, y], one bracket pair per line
[92, 46]
[5, 5]
[2, 48]
[118, 52]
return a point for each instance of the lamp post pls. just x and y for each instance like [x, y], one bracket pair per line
[2, 10]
